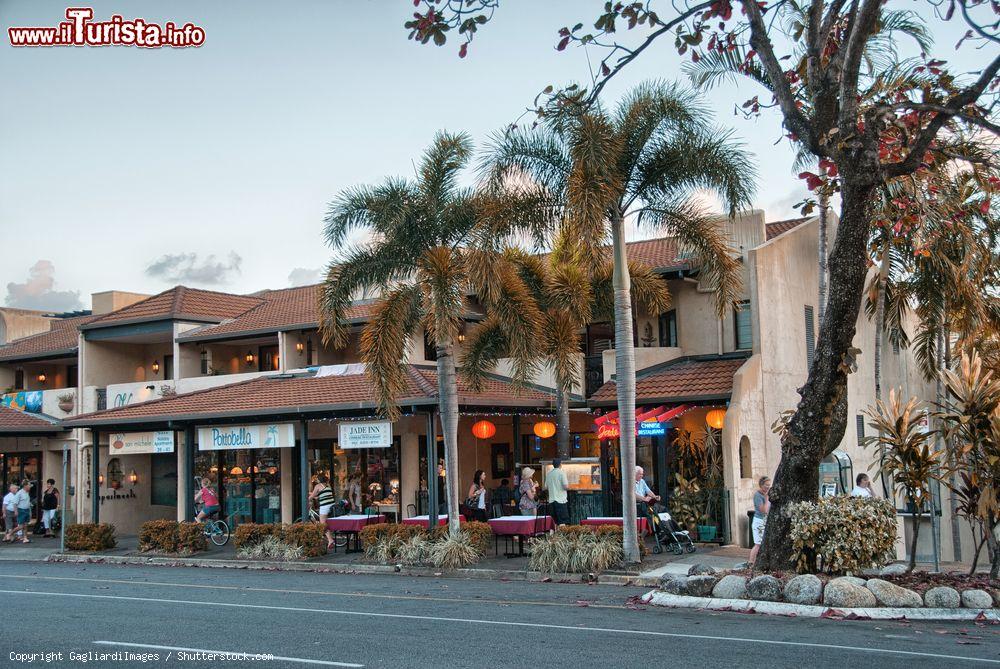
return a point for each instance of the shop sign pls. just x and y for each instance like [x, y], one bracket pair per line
[610, 429]
[651, 429]
[136, 443]
[235, 437]
[377, 434]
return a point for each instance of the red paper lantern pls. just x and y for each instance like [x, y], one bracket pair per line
[484, 429]
[545, 429]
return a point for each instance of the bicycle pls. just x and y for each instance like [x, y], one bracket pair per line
[216, 530]
[339, 540]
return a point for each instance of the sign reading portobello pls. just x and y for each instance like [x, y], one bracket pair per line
[376, 434]
[137, 443]
[235, 437]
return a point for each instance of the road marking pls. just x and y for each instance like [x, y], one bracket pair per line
[506, 623]
[369, 595]
[300, 660]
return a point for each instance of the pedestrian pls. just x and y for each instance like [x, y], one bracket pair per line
[23, 502]
[862, 486]
[10, 512]
[761, 505]
[556, 484]
[644, 496]
[354, 492]
[476, 499]
[209, 500]
[325, 499]
[50, 504]
[527, 493]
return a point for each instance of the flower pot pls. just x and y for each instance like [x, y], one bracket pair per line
[707, 532]
[66, 406]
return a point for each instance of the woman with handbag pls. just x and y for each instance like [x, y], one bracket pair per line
[50, 504]
[475, 503]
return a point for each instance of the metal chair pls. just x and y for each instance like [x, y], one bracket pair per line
[497, 510]
[542, 511]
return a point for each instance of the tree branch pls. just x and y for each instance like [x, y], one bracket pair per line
[862, 26]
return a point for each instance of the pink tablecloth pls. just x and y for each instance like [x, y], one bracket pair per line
[352, 523]
[521, 525]
[641, 524]
[422, 520]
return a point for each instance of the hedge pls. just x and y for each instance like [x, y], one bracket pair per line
[307, 536]
[843, 534]
[90, 537]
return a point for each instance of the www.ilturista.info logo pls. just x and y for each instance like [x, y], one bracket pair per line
[81, 30]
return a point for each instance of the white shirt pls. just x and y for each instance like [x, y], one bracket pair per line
[642, 488]
[10, 502]
[861, 492]
[23, 499]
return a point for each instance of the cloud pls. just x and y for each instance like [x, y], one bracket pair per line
[301, 276]
[188, 268]
[37, 292]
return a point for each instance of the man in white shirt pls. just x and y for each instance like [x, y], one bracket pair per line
[22, 499]
[643, 493]
[862, 486]
[10, 512]
[556, 484]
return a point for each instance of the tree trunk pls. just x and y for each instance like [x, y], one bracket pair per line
[824, 222]
[811, 433]
[917, 518]
[448, 402]
[625, 385]
[956, 527]
[883, 277]
[991, 545]
[562, 422]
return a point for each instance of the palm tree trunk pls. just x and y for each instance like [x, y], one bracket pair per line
[625, 383]
[918, 517]
[824, 213]
[956, 527]
[562, 421]
[883, 277]
[448, 402]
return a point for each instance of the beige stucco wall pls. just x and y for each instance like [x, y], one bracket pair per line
[18, 323]
[112, 300]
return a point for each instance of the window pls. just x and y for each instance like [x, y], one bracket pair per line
[668, 328]
[810, 335]
[310, 352]
[19, 379]
[746, 465]
[267, 359]
[744, 328]
[168, 367]
[72, 376]
[430, 349]
[206, 363]
[861, 430]
[163, 479]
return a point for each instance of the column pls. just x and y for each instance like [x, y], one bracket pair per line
[186, 480]
[287, 485]
[409, 478]
[95, 472]
[304, 470]
[432, 473]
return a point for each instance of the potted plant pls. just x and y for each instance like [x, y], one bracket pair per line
[66, 402]
[706, 531]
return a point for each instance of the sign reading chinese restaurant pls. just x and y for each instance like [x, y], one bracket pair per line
[377, 434]
[235, 437]
[137, 443]
[610, 429]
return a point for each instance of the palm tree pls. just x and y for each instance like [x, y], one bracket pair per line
[424, 262]
[641, 162]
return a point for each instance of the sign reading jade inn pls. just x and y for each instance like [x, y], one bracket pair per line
[365, 435]
[235, 437]
[137, 443]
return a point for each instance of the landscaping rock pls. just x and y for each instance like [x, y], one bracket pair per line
[890, 594]
[701, 570]
[976, 599]
[701, 586]
[942, 597]
[853, 580]
[804, 589]
[730, 587]
[995, 594]
[674, 585]
[894, 569]
[764, 589]
[843, 593]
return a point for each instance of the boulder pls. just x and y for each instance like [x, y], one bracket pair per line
[730, 586]
[674, 585]
[890, 594]
[842, 593]
[701, 570]
[764, 589]
[853, 580]
[942, 597]
[701, 586]
[894, 569]
[804, 589]
[995, 594]
[976, 599]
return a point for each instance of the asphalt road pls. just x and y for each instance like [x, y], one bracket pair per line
[306, 619]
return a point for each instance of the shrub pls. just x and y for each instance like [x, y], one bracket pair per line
[370, 534]
[481, 535]
[843, 534]
[250, 534]
[191, 538]
[270, 547]
[454, 552]
[307, 536]
[159, 535]
[90, 537]
[415, 551]
[577, 550]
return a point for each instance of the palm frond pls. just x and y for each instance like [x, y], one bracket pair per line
[440, 166]
[483, 349]
[383, 344]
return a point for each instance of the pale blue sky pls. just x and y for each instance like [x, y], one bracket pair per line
[111, 158]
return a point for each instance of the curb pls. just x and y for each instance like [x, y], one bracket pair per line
[657, 598]
[317, 567]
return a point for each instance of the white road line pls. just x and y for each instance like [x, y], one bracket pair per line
[300, 660]
[507, 623]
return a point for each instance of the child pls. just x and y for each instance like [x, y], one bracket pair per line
[208, 498]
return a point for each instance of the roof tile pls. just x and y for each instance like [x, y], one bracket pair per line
[181, 301]
[12, 420]
[682, 379]
[63, 335]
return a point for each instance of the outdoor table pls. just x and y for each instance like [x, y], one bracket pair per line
[641, 524]
[520, 527]
[350, 525]
[422, 520]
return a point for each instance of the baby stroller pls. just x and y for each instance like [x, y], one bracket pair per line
[667, 533]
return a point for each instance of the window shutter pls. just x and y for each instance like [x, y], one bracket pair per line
[810, 335]
[861, 430]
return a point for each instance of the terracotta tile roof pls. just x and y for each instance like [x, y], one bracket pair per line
[13, 421]
[780, 227]
[180, 302]
[302, 395]
[62, 337]
[684, 379]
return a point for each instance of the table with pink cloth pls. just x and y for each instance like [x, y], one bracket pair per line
[520, 527]
[422, 520]
[350, 525]
[641, 524]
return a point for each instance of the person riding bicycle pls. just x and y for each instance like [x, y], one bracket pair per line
[325, 499]
[207, 496]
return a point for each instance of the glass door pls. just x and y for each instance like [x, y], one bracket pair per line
[17, 467]
[266, 485]
[236, 487]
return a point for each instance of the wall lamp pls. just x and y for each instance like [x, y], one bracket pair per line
[156, 367]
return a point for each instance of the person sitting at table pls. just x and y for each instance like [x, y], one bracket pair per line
[476, 501]
[504, 496]
[528, 493]
[644, 496]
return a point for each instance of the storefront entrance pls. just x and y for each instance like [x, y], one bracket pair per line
[16, 467]
[248, 482]
[364, 477]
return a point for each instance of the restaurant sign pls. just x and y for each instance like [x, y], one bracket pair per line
[138, 443]
[377, 434]
[235, 437]
[610, 429]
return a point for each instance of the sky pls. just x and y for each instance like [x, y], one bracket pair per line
[138, 169]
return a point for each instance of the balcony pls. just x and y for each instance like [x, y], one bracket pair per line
[58, 402]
